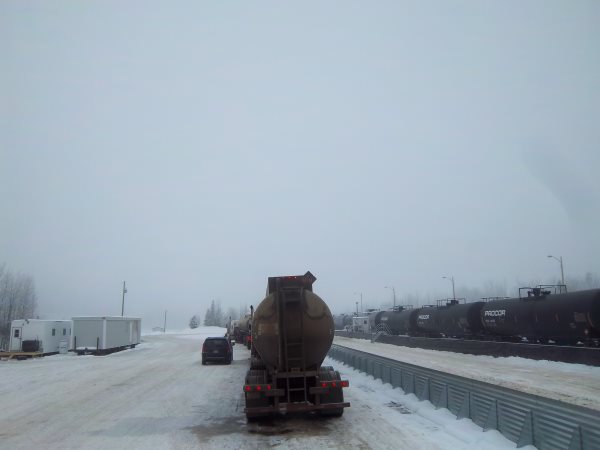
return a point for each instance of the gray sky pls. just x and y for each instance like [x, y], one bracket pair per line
[194, 149]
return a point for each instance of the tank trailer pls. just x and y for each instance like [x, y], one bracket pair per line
[291, 332]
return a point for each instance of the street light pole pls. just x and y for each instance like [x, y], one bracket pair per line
[451, 278]
[361, 305]
[393, 292]
[357, 309]
[123, 300]
[562, 272]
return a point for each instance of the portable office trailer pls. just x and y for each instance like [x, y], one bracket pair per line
[33, 335]
[102, 335]
[360, 324]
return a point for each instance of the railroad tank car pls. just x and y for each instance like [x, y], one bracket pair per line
[458, 319]
[509, 318]
[375, 319]
[426, 321]
[568, 318]
[341, 321]
[399, 322]
[292, 331]
[543, 315]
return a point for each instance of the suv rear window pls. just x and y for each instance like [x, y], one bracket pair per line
[216, 342]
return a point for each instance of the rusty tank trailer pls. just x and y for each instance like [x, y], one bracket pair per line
[292, 330]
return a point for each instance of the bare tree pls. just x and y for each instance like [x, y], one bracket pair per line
[17, 301]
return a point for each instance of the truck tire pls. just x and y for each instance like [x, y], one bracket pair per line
[256, 377]
[335, 395]
[256, 363]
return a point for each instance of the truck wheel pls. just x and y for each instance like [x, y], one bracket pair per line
[253, 417]
[334, 396]
[333, 412]
[256, 363]
[256, 377]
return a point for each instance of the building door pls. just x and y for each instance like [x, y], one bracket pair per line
[15, 339]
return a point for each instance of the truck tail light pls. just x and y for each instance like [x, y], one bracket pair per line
[335, 384]
[257, 387]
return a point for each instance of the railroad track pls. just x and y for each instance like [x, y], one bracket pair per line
[570, 354]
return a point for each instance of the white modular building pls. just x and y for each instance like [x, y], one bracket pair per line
[105, 334]
[34, 335]
[360, 324]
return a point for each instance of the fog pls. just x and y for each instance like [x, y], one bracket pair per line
[195, 148]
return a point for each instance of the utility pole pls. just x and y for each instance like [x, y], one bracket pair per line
[393, 292]
[123, 301]
[451, 278]
[562, 272]
[165, 325]
[361, 305]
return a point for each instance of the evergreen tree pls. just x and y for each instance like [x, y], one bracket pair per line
[194, 321]
[219, 319]
[209, 317]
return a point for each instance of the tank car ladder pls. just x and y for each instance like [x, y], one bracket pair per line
[294, 355]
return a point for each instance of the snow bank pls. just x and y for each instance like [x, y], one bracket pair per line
[572, 383]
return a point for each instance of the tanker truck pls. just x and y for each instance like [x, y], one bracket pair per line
[241, 331]
[292, 331]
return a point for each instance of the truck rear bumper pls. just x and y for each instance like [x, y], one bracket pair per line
[296, 407]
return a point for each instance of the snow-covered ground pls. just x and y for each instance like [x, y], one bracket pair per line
[159, 396]
[572, 383]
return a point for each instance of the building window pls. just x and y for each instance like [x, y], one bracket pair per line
[17, 332]
[64, 331]
[53, 331]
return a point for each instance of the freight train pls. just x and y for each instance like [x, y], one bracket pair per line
[544, 314]
[291, 333]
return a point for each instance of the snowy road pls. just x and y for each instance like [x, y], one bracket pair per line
[159, 396]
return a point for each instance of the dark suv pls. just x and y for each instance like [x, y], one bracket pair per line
[217, 349]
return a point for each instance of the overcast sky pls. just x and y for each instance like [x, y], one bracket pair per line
[196, 148]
